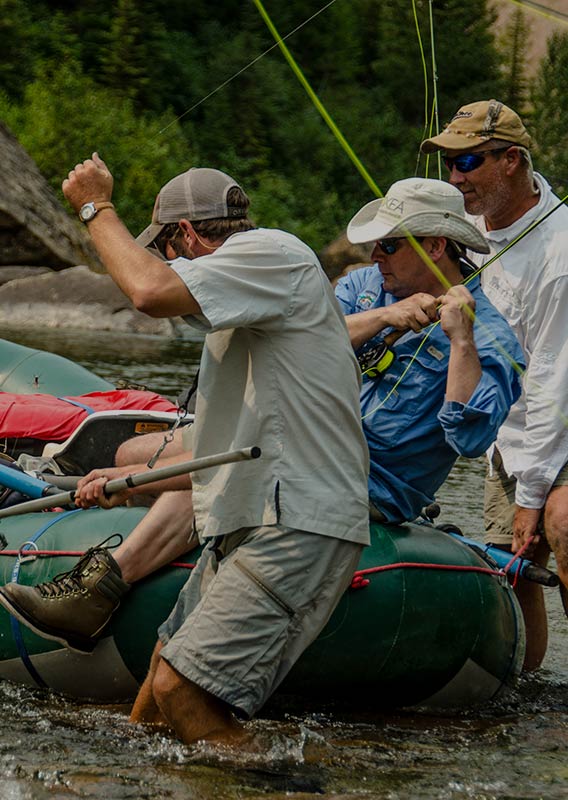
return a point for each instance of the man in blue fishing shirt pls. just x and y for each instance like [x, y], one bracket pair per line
[452, 380]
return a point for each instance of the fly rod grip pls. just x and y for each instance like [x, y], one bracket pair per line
[393, 337]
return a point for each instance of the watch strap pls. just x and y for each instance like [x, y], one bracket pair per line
[105, 204]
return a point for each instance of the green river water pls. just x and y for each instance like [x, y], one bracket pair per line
[517, 748]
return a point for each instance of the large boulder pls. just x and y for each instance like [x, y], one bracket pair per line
[35, 229]
[341, 256]
[77, 298]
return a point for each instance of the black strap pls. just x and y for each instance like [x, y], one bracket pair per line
[184, 397]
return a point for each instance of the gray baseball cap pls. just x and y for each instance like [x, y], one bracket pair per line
[198, 194]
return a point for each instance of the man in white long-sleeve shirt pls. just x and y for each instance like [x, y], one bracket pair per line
[486, 149]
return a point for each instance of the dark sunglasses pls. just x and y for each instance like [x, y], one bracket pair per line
[467, 162]
[390, 246]
[164, 238]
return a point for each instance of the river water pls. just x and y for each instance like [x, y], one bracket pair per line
[53, 748]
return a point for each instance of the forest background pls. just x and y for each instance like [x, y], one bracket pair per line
[156, 86]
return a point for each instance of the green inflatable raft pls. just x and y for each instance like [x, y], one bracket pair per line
[430, 624]
[24, 370]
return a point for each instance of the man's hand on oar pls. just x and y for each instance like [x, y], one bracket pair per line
[140, 479]
[91, 489]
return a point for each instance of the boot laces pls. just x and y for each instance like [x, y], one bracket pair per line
[71, 582]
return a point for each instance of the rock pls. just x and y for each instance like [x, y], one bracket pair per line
[15, 273]
[76, 298]
[35, 229]
[341, 254]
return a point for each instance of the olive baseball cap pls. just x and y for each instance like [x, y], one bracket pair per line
[478, 123]
[198, 194]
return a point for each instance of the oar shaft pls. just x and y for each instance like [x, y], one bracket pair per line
[151, 476]
[141, 479]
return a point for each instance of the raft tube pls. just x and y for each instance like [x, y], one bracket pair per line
[434, 626]
[24, 370]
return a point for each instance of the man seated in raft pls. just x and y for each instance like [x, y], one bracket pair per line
[456, 392]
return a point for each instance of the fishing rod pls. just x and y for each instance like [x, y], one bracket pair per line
[132, 481]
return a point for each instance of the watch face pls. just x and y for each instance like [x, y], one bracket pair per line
[87, 212]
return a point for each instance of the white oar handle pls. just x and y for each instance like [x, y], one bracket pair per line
[140, 479]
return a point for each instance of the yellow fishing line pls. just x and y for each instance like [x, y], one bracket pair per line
[317, 102]
[435, 85]
[544, 11]
[374, 187]
[341, 138]
[243, 69]
[425, 75]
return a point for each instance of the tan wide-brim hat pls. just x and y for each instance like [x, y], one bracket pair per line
[478, 123]
[417, 206]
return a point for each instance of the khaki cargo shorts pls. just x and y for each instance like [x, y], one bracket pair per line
[499, 505]
[255, 600]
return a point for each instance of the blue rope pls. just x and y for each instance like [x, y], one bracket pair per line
[15, 625]
[88, 409]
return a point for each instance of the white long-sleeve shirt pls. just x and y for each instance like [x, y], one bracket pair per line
[529, 286]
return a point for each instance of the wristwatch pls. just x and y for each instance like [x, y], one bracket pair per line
[90, 210]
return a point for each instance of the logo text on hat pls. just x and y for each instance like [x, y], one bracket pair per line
[393, 204]
[462, 114]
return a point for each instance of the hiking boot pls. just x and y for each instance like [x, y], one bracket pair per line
[75, 606]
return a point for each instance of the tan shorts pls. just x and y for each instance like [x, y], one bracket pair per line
[499, 505]
[255, 600]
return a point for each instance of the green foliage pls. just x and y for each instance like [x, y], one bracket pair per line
[514, 44]
[95, 74]
[550, 114]
[63, 119]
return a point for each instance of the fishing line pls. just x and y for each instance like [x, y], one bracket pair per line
[435, 84]
[342, 140]
[498, 346]
[426, 83]
[317, 102]
[240, 72]
[544, 11]
[370, 182]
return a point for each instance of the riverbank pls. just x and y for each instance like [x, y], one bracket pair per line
[76, 298]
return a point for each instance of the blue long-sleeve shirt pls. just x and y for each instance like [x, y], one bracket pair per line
[414, 434]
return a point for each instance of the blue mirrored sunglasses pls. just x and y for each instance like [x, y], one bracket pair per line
[467, 162]
[390, 246]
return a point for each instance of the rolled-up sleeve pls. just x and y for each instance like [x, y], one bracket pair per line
[470, 428]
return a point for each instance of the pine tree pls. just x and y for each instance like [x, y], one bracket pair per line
[513, 46]
[550, 113]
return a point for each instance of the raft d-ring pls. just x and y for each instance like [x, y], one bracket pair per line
[32, 556]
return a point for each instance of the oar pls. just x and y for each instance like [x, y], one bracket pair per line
[527, 569]
[140, 479]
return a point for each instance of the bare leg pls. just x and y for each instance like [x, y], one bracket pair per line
[531, 599]
[140, 449]
[556, 528]
[163, 535]
[192, 712]
[145, 709]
